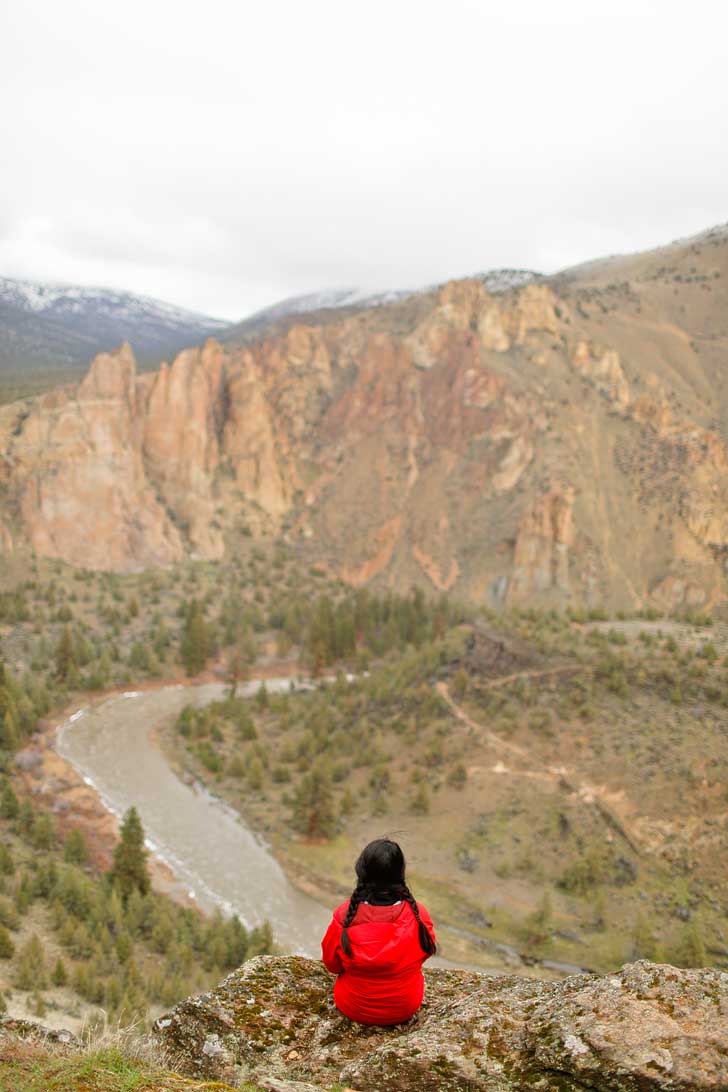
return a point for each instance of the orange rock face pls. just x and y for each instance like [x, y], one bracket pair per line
[501, 447]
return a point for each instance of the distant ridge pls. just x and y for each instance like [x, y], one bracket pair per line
[48, 326]
[357, 299]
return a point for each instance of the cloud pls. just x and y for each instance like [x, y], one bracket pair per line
[223, 157]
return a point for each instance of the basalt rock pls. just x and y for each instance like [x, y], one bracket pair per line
[649, 1027]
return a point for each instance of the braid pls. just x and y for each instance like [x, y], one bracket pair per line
[426, 942]
[357, 896]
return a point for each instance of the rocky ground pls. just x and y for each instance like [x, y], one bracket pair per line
[271, 1026]
[648, 1027]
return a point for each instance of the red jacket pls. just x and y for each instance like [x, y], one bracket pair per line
[381, 981]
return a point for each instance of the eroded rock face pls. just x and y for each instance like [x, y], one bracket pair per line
[649, 1027]
[502, 447]
[545, 536]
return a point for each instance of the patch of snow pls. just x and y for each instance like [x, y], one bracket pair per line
[37, 297]
[503, 280]
[495, 281]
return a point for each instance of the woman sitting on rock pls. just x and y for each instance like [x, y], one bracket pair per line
[378, 940]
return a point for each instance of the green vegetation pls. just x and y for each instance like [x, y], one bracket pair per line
[31, 1066]
[129, 869]
[109, 942]
[573, 752]
[561, 735]
[64, 630]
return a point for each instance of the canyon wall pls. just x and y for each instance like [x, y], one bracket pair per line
[499, 447]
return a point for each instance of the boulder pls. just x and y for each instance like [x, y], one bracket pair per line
[12, 1028]
[648, 1027]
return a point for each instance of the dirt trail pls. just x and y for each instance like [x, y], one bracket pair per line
[596, 796]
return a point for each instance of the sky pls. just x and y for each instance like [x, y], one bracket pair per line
[223, 156]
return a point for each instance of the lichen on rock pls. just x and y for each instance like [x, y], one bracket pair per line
[649, 1027]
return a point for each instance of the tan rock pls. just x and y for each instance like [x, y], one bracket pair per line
[545, 536]
[603, 367]
[535, 309]
[78, 478]
[649, 1026]
[251, 445]
[434, 572]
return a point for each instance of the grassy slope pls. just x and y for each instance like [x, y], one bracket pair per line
[648, 732]
[33, 1068]
[591, 822]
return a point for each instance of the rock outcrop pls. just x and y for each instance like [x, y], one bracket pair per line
[524, 446]
[649, 1027]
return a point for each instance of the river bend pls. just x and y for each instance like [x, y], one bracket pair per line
[205, 843]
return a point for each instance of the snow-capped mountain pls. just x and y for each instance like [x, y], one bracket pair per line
[334, 299]
[61, 326]
[503, 280]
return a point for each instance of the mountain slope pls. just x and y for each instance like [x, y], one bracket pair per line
[327, 306]
[60, 327]
[561, 442]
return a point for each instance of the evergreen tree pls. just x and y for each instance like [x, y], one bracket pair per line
[237, 667]
[129, 867]
[7, 948]
[9, 806]
[7, 865]
[43, 833]
[59, 976]
[65, 655]
[314, 813]
[194, 647]
[75, 850]
[9, 718]
[692, 952]
[30, 971]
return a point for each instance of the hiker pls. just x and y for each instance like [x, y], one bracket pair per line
[378, 940]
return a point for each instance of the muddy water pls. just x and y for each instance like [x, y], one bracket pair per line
[207, 845]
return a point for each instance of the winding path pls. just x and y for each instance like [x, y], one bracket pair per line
[592, 795]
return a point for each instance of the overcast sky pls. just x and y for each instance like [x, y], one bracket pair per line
[224, 155]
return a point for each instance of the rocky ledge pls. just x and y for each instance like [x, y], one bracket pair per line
[650, 1026]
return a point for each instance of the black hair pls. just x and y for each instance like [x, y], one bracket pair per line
[380, 870]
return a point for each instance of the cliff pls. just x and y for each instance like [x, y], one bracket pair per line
[649, 1027]
[559, 443]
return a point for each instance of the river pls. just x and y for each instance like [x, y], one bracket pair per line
[205, 843]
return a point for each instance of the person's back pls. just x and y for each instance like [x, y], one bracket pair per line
[377, 942]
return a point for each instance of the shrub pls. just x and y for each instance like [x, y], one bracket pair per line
[7, 948]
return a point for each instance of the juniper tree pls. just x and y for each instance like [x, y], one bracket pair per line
[75, 850]
[65, 654]
[194, 646]
[30, 970]
[129, 866]
[9, 719]
[7, 948]
[314, 813]
[9, 806]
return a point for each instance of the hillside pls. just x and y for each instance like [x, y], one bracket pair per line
[563, 442]
[560, 786]
[49, 332]
[329, 306]
[273, 1022]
